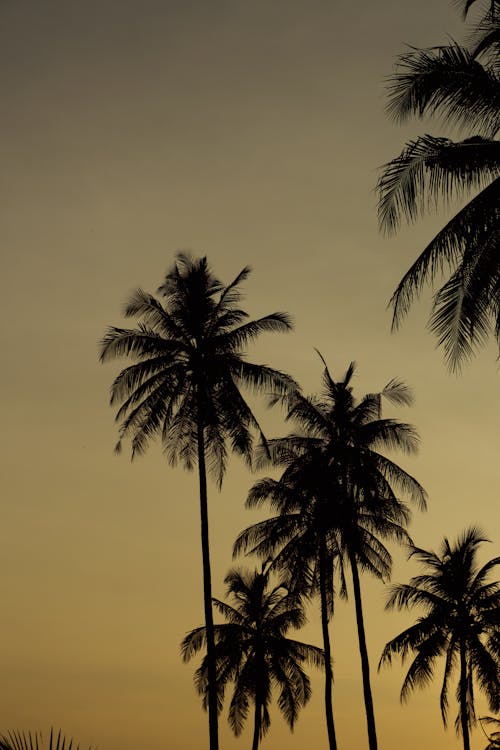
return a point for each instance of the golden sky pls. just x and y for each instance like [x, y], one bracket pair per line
[250, 131]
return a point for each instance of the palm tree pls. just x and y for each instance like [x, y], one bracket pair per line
[461, 87]
[184, 385]
[300, 540]
[253, 652]
[353, 498]
[460, 622]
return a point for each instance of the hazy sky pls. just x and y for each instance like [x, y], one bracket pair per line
[250, 131]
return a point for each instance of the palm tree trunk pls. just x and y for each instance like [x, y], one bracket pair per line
[363, 652]
[326, 648]
[207, 593]
[464, 708]
[256, 727]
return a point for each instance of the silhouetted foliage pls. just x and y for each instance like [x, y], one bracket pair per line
[460, 86]
[493, 737]
[460, 622]
[302, 538]
[253, 653]
[21, 740]
[184, 385]
[347, 487]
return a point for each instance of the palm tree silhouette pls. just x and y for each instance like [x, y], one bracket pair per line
[185, 384]
[253, 652]
[461, 622]
[461, 87]
[301, 539]
[350, 491]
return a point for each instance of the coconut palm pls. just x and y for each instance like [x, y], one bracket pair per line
[460, 623]
[253, 652]
[301, 539]
[462, 87]
[353, 487]
[184, 386]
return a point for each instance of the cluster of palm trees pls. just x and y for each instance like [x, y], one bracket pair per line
[339, 499]
[337, 503]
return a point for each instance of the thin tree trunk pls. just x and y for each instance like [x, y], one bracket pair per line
[464, 709]
[363, 652]
[326, 647]
[256, 727]
[207, 593]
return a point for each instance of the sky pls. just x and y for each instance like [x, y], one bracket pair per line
[250, 132]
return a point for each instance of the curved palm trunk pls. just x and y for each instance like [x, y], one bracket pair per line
[363, 652]
[207, 594]
[464, 708]
[326, 648]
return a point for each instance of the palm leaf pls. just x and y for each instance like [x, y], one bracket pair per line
[429, 168]
[447, 81]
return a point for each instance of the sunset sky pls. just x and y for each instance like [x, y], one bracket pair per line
[250, 131]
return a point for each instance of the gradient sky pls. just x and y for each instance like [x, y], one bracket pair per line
[250, 131]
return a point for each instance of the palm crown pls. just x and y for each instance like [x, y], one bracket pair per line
[460, 622]
[190, 366]
[462, 87]
[254, 653]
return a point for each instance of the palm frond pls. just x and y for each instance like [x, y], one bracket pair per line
[152, 314]
[462, 316]
[193, 642]
[397, 392]
[447, 248]
[430, 168]
[29, 740]
[421, 670]
[409, 640]
[446, 81]
[141, 343]
[391, 434]
[448, 669]
[237, 338]
[260, 378]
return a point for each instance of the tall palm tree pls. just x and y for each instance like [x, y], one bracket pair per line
[301, 539]
[461, 87]
[184, 386]
[354, 491]
[253, 652]
[460, 622]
